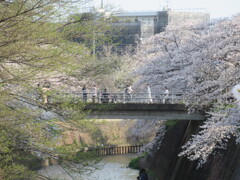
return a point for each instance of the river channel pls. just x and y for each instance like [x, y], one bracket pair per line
[112, 167]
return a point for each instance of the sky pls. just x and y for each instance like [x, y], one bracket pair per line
[216, 8]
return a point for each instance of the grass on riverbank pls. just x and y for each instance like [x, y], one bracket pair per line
[170, 124]
[134, 163]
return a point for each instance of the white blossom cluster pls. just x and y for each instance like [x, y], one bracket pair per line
[153, 146]
[215, 134]
[144, 129]
[162, 58]
[204, 62]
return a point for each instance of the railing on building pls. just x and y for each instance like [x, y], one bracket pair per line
[119, 97]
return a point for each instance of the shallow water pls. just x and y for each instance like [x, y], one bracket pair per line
[110, 168]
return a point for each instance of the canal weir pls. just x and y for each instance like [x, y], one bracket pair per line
[113, 150]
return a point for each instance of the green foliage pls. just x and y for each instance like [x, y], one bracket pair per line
[92, 29]
[19, 172]
[230, 106]
[12, 134]
[72, 153]
[151, 174]
[170, 124]
[100, 107]
[8, 154]
[87, 156]
[116, 136]
[27, 159]
[32, 48]
[67, 152]
[134, 163]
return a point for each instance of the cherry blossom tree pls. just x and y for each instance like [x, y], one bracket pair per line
[202, 60]
[162, 58]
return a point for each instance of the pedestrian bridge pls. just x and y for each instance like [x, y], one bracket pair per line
[141, 111]
[117, 105]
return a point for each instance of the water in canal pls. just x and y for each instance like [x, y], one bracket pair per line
[112, 167]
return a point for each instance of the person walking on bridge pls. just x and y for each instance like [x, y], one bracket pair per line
[166, 94]
[128, 93]
[94, 93]
[84, 93]
[105, 96]
[149, 94]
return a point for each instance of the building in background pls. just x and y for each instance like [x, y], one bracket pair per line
[132, 27]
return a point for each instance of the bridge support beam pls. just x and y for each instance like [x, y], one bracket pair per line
[144, 111]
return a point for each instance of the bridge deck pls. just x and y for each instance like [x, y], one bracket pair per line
[141, 111]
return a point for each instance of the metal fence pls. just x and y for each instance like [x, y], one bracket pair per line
[119, 97]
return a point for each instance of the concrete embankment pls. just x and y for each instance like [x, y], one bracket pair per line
[166, 165]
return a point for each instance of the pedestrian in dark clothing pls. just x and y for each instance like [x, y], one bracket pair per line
[84, 93]
[105, 96]
[142, 175]
[38, 93]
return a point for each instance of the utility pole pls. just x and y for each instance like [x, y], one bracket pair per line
[167, 4]
[101, 4]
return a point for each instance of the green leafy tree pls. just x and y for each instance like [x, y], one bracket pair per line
[94, 29]
[30, 47]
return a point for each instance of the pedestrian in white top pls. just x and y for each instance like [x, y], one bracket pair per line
[45, 92]
[166, 94]
[149, 98]
[128, 93]
[94, 93]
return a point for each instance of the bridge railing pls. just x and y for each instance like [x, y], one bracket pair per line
[120, 97]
